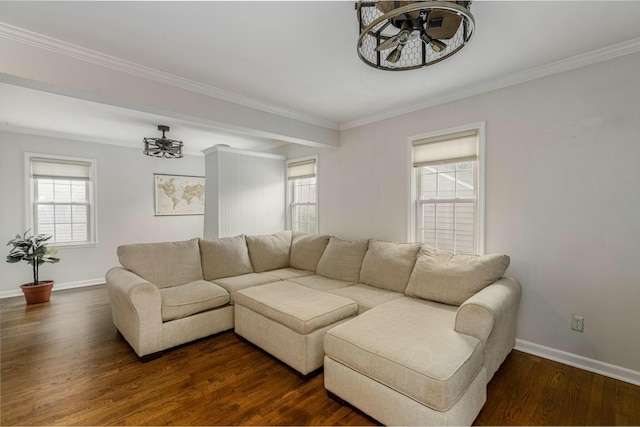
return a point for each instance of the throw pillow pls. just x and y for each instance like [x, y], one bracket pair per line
[342, 259]
[306, 250]
[224, 257]
[449, 278]
[269, 252]
[388, 265]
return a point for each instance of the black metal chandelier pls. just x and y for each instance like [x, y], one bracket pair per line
[405, 35]
[163, 147]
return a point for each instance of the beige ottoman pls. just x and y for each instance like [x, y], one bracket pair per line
[289, 321]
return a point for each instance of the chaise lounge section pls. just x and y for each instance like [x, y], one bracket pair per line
[418, 362]
[407, 333]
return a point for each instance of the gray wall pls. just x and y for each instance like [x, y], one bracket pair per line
[562, 199]
[125, 207]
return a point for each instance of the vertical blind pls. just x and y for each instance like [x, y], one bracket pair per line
[301, 169]
[451, 148]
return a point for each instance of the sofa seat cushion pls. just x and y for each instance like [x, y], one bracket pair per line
[288, 273]
[164, 264]
[450, 278]
[410, 346]
[191, 298]
[321, 283]
[234, 284]
[306, 250]
[269, 252]
[297, 307]
[342, 259]
[367, 296]
[388, 265]
[224, 257]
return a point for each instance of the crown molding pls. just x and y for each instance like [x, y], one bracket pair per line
[58, 46]
[599, 55]
[81, 138]
[51, 44]
[223, 148]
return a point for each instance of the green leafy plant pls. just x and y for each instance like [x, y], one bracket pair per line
[34, 250]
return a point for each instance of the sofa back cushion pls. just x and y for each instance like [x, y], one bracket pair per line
[342, 259]
[269, 252]
[224, 257]
[388, 265]
[449, 278]
[306, 250]
[163, 264]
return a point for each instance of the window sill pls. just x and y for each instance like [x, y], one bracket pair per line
[74, 245]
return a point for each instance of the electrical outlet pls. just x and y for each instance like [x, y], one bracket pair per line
[577, 323]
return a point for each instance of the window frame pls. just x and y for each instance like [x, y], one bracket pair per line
[414, 202]
[290, 204]
[31, 193]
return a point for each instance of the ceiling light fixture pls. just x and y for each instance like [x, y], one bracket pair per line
[415, 33]
[163, 147]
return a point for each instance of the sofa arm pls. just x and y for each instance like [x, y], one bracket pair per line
[491, 316]
[136, 308]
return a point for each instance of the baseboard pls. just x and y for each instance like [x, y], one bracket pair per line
[591, 365]
[57, 287]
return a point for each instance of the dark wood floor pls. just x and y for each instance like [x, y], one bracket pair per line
[63, 363]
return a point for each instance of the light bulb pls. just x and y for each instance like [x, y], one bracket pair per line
[395, 54]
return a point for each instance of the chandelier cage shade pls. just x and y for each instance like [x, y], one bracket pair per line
[163, 147]
[406, 35]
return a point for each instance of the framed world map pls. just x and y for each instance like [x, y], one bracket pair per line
[179, 194]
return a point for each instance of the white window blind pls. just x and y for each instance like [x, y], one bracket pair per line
[302, 169]
[42, 168]
[453, 148]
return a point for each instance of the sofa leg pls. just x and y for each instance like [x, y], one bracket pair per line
[336, 398]
[149, 357]
[243, 339]
[340, 401]
[309, 375]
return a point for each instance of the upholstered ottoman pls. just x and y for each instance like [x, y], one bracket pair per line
[289, 321]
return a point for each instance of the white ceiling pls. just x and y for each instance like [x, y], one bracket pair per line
[31, 111]
[297, 56]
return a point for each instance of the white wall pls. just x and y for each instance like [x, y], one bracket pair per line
[245, 193]
[562, 198]
[125, 202]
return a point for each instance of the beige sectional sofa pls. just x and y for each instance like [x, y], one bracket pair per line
[407, 333]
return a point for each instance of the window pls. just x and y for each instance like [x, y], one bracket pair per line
[61, 195]
[447, 185]
[302, 195]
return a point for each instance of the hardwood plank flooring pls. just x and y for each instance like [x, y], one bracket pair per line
[64, 363]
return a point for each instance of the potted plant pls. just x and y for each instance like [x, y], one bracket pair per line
[34, 250]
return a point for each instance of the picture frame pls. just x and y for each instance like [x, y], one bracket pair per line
[178, 194]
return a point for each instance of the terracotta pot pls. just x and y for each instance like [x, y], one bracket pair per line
[35, 294]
